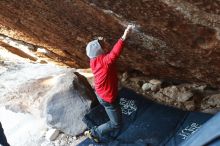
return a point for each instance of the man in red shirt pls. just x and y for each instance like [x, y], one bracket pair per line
[106, 83]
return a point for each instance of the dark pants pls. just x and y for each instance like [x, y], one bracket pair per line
[114, 113]
[3, 140]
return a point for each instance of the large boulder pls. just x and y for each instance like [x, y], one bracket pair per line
[69, 100]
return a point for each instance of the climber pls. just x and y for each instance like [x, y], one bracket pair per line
[106, 83]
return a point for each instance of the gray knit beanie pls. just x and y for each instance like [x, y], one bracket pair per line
[94, 49]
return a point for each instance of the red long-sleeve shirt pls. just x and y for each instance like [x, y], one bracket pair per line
[105, 73]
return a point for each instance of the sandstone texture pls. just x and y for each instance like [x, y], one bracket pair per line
[173, 39]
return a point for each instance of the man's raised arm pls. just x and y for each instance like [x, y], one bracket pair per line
[116, 51]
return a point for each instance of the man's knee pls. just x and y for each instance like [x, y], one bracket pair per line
[115, 125]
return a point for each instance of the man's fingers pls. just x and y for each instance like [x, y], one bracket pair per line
[127, 31]
[131, 26]
[100, 38]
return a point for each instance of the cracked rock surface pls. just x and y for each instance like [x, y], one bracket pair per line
[174, 39]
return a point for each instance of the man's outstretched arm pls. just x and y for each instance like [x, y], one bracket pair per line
[116, 51]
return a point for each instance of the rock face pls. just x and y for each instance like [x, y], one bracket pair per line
[68, 102]
[174, 39]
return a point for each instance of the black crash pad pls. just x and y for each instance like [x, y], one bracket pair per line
[207, 135]
[146, 122]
